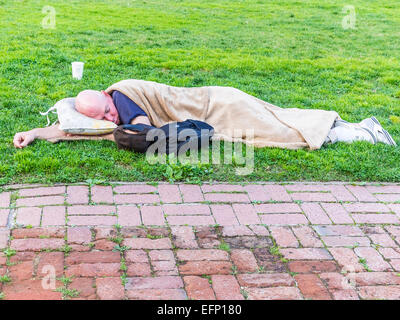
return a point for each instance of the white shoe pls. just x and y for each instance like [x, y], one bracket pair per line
[344, 131]
[381, 135]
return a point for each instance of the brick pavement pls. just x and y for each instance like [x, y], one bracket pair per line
[221, 241]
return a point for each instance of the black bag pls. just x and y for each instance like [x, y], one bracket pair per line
[174, 137]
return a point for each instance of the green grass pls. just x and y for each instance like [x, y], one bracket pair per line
[289, 53]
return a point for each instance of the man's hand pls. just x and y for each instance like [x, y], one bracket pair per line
[22, 139]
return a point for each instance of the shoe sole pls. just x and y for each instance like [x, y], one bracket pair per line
[387, 135]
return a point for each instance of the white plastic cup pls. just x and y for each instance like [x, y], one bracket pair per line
[77, 70]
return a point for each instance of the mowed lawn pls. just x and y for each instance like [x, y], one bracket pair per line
[289, 53]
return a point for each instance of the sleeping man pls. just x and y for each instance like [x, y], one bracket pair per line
[235, 116]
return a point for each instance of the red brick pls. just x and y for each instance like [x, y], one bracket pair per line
[40, 201]
[315, 214]
[337, 281]
[380, 292]
[202, 254]
[395, 207]
[284, 219]
[164, 266]
[395, 263]
[222, 188]
[185, 209]
[22, 256]
[277, 293]
[337, 213]
[84, 286]
[165, 282]
[92, 220]
[169, 193]
[139, 269]
[246, 214]
[157, 294]
[21, 271]
[53, 216]
[129, 216]
[361, 193]
[191, 220]
[284, 237]
[137, 256]
[257, 193]
[383, 240]
[375, 218]
[235, 231]
[383, 189]
[104, 232]
[259, 230]
[91, 210]
[135, 188]
[53, 259]
[345, 241]
[307, 237]
[312, 287]
[191, 193]
[338, 230]
[94, 270]
[183, 237]
[390, 253]
[36, 244]
[300, 187]
[43, 191]
[375, 278]
[110, 289]
[198, 288]
[244, 260]
[262, 280]
[313, 266]
[102, 194]
[277, 208]
[374, 260]
[4, 217]
[92, 257]
[346, 259]
[137, 198]
[152, 215]
[366, 207]
[29, 216]
[277, 193]
[312, 196]
[105, 245]
[341, 193]
[161, 255]
[5, 199]
[49, 232]
[348, 294]
[205, 267]
[145, 243]
[224, 215]
[388, 197]
[77, 194]
[79, 235]
[29, 290]
[226, 287]
[226, 197]
[4, 235]
[306, 254]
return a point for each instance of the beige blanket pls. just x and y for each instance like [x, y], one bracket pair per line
[226, 109]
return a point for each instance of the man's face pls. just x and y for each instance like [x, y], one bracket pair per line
[97, 105]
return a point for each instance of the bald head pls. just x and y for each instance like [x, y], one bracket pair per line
[91, 103]
[98, 105]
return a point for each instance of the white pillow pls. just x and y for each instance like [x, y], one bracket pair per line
[71, 121]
